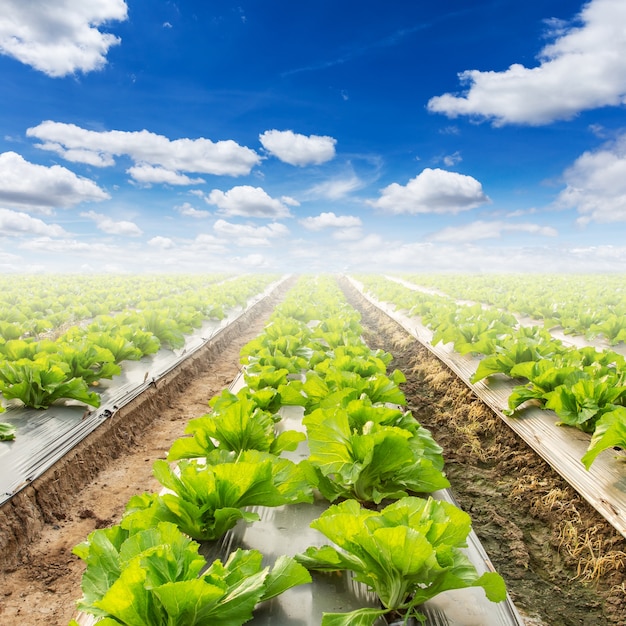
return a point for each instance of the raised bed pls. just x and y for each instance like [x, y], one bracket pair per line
[603, 485]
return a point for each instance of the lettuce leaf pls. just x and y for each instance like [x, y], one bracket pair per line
[407, 553]
[610, 432]
[152, 578]
[207, 500]
[382, 462]
[234, 425]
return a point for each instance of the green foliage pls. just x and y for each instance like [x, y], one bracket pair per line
[121, 348]
[379, 388]
[610, 431]
[164, 327]
[39, 383]
[153, 577]
[207, 500]
[582, 403]
[407, 553]
[7, 431]
[372, 464]
[237, 425]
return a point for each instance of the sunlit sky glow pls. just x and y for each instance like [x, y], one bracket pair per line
[160, 136]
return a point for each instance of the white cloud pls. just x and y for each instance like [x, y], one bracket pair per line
[67, 246]
[247, 201]
[348, 234]
[596, 184]
[256, 261]
[200, 156]
[297, 149]
[207, 242]
[163, 243]
[111, 227]
[39, 188]
[452, 159]
[489, 230]
[337, 187]
[148, 175]
[583, 68]
[432, 191]
[60, 37]
[17, 223]
[289, 200]
[189, 211]
[246, 235]
[330, 220]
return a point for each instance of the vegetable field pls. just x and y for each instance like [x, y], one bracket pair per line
[337, 410]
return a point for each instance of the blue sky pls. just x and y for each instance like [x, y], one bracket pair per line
[159, 136]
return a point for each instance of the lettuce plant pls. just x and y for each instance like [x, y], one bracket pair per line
[153, 577]
[610, 431]
[7, 431]
[377, 463]
[207, 500]
[582, 403]
[89, 362]
[39, 383]
[407, 553]
[237, 425]
[379, 388]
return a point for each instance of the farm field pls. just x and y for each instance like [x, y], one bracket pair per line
[562, 562]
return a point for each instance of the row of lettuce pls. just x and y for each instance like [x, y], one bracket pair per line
[37, 371]
[585, 387]
[32, 306]
[590, 305]
[367, 456]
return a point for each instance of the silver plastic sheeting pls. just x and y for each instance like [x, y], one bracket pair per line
[603, 485]
[286, 530]
[45, 436]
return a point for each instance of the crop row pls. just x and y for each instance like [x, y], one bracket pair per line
[38, 372]
[589, 305]
[367, 456]
[35, 305]
[585, 387]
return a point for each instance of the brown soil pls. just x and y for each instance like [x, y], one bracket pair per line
[563, 564]
[89, 489]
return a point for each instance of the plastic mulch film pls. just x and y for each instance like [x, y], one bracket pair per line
[603, 485]
[45, 436]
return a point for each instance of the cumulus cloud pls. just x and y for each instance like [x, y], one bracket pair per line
[111, 227]
[38, 188]
[297, 149]
[432, 191]
[289, 200]
[156, 157]
[148, 175]
[17, 223]
[583, 68]
[211, 243]
[330, 220]
[596, 184]
[60, 37]
[163, 243]
[247, 201]
[246, 235]
[189, 211]
[489, 230]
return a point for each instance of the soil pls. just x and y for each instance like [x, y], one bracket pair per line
[564, 565]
